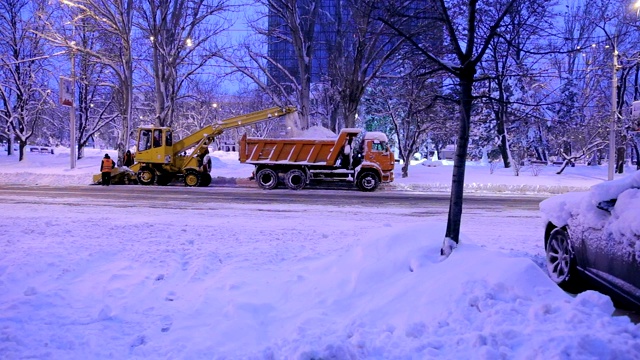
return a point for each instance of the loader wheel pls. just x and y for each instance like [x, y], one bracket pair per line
[205, 180]
[146, 176]
[267, 179]
[367, 181]
[191, 178]
[295, 179]
[207, 161]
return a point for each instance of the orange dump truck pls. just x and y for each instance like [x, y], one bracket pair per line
[356, 157]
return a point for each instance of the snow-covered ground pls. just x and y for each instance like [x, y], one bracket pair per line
[253, 282]
[47, 169]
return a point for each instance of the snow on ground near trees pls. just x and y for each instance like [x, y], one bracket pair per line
[247, 282]
[428, 176]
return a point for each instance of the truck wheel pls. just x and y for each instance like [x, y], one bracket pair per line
[295, 179]
[367, 181]
[205, 180]
[146, 176]
[267, 179]
[191, 178]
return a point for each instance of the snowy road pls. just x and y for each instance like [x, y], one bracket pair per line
[507, 223]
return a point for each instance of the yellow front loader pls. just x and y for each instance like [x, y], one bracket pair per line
[160, 160]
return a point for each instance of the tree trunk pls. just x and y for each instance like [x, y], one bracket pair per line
[452, 235]
[564, 166]
[305, 105]
[502, 133]
[21, 146]
[10, 145]
[405, 167]
[634, 144]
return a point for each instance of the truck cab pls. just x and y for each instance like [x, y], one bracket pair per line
[374, 152]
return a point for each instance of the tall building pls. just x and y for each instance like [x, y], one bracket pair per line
[325, 37]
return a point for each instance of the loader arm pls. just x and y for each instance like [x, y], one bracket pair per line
[205, 136]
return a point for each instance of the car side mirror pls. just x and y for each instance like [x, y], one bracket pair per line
[607, 205]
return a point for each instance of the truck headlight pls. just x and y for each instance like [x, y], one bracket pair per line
[167, 159]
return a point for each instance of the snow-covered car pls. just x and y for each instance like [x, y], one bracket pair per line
[593, 237]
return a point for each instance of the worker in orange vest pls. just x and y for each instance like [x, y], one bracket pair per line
[105, 168]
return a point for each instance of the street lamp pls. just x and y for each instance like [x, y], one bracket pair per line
[72, 117]
[72, 150]
[614, 111]
[67, 98]
[215, 110]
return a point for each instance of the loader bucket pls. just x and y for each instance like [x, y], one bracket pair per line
[97, 179]
[119, 176]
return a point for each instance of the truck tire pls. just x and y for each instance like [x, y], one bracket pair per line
[367, 181]
[295, 179]
[146, 176]
[205, 179]
[267, 179]
[191, 178]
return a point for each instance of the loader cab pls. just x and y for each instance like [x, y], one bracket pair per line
[155, 145]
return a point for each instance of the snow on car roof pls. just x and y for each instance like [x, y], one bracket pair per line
[583, 206]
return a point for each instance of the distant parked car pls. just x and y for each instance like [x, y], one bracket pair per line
[593, 238]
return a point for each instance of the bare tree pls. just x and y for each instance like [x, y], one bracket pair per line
[24, 93]
[291, 25]
[511, 71]
[95, 105]
[469, 34]
[360, 53]
[113, 21]
[178, 31]
[409, 103]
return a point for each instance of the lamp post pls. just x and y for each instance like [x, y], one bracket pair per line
[614, 112]
[72, 117]
[72, 124]
[67, 98]
[215, 112]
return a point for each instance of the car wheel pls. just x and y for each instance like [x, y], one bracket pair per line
[267, 179]
[295, 179]
[561, 263]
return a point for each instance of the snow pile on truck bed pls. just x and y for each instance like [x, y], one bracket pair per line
[318, 132]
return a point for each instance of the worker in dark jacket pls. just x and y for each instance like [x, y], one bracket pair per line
[620, 155]
[128, 159]
[105, 168]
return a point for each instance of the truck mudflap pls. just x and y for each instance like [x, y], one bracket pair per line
[387, 177]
